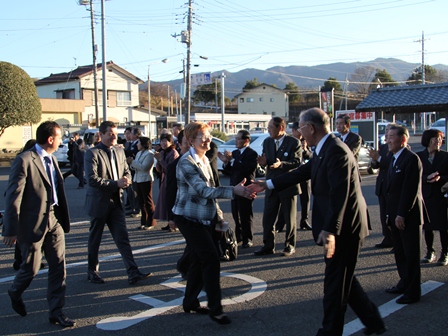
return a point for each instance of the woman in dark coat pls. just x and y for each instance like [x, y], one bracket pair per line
[435, 175]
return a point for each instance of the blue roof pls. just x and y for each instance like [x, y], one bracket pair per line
[406, 99]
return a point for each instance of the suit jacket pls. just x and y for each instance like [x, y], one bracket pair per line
[212, 155]
[195, 199]
[102, 188]
[28, 198]
[353, 141]
[383, 166]
[142, 165]
[131, 148]
[339, 206]
[404, 191]
[290, 154]
[244, 166]
[439, 164]
[171, 187]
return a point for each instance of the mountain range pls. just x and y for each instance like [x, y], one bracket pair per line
[309, 77]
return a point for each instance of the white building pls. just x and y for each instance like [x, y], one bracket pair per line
[264, 99]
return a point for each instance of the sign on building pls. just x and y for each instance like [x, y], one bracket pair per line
[201, 79]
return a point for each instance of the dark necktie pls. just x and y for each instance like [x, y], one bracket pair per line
[391, 166]
[47, 160]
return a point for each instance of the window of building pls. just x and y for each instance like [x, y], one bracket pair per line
[65, 94]
[250, 100]
[124, 98]
[241, 100]
[261, 99]
[271, 100]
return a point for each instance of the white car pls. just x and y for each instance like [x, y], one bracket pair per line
[61, 153]
[256, 143]
[439, 125]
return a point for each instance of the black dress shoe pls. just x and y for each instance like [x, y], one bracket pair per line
[221, 319]
[138, 277]
[264, 251]
[379, 331]
[62, 320]
[199, 310]
[166, 228]
[94, 277]
[305, 226]
[405, 300]
[383, 245]
[394, 290]
[247, 245]
[288, 251]
[17, 304]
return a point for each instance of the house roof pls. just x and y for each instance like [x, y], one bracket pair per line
[406, 99]
[257, 87]
[83, 71]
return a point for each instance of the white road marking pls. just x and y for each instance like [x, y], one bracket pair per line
[258, 287]
[389, 308]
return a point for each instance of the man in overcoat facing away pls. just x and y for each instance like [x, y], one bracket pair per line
[108, 174]
[37, 218]
[339, 221]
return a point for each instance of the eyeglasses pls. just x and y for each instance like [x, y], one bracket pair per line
[300, 128]
[205, 138]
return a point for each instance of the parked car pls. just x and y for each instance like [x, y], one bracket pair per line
[364, 161]
[61, 153]
[439, 125]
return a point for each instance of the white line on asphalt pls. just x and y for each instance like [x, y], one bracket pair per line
[389, 308]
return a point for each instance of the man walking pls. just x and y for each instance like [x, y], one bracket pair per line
[37, 219]
[108, 174]
[241, 164]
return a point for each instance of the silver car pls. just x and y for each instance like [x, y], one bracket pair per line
[61, 153]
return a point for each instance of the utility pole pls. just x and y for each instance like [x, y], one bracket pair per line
[104, 65]
[223, 129]
[188, 41]
[94, 51]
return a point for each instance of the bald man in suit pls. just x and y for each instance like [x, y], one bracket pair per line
[37, 219]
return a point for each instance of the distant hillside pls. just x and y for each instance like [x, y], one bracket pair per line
[309, 77]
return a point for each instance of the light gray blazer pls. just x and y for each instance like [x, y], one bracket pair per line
[142, 165]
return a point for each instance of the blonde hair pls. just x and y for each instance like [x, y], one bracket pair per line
[192, 129]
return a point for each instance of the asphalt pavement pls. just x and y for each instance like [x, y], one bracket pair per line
[270, 295]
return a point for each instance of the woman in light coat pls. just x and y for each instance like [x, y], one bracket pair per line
[142, 182]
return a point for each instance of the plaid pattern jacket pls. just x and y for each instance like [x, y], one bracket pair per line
[195, 198]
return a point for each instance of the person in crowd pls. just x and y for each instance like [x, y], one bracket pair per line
[241, 164]
[131, 152]
[352, 140]
[194, 210]
[281, 153]
[164, 157]
[434, 176]
[212, 155]
[96, 139]
[340, 221]
[175, 130]
[143, 180]
[108, 174]
[79, 162]
[381, 160]
[305, 187]
[171, 181]
[404, 213]
[36, 218]
[72, 148]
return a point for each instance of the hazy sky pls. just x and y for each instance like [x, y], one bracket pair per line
[51, 36]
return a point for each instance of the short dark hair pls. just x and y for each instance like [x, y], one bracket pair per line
[144, 142]
[278, 121]
[295, 125]
[180, 136]
[46, 130]
[244, 134]
[136, 131]
[29, 144]
[345, 117]
[129, 128]
[105, 124]
[167, 136]
[178, 125]
[428, 135]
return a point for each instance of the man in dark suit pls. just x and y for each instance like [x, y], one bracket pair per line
[352, 140]
[281, 153]
[131, 150]
[108, 174]
[339, 221]
[36, 218]
[241, 164]
[381, 161]
[404, 213]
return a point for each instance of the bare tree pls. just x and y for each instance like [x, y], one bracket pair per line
[361, 80]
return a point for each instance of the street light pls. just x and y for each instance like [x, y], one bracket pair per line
[149, 97]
